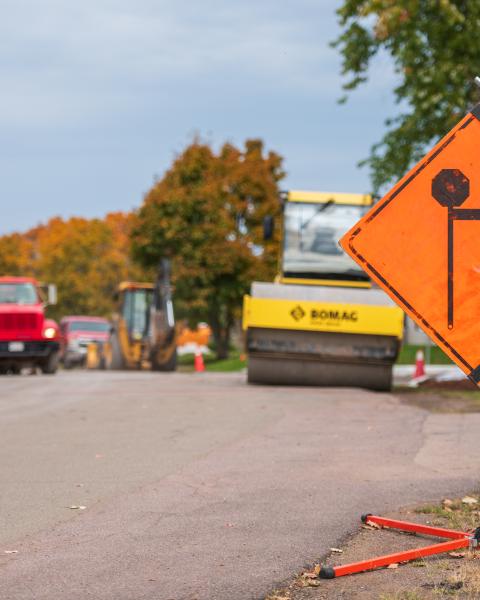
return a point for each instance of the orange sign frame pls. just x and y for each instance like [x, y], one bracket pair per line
[421, 244]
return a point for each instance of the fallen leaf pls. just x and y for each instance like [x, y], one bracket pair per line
[10, 551]
[469, 500]
[77, 507]
[447, 502]
[317, 569]
[310, 581]
[393, 566]
[457, 554]
[338, 550]
[310, 574]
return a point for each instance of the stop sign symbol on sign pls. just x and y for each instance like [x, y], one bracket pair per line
[410, 245]
[451, 188]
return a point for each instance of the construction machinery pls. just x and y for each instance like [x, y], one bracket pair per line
[143, 329]
[321, 322]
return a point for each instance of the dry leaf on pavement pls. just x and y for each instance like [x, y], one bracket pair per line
[310, 578]
[469, 500]
[310, 575]
[337, 550]
[370, 525]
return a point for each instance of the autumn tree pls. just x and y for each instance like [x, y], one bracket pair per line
[85, 258]
[16, 255]
[434, 47]
[206, 214]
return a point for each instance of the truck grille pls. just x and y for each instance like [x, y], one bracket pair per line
[21, 322]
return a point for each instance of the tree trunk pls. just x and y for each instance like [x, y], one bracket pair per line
[221, 332]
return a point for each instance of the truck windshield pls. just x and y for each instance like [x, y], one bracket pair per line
[311, 247]
[18, 293]
[100, 326]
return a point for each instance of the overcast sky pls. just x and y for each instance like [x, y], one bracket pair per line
[97, 96]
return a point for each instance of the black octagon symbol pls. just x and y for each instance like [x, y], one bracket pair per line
[450, 187]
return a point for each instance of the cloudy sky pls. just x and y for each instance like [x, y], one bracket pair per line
[97, 97]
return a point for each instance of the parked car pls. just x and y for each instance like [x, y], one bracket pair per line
[76, 333]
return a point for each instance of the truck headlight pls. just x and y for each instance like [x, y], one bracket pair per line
[49, 332]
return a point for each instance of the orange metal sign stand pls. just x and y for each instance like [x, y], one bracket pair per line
[420, 243]
[457, 539]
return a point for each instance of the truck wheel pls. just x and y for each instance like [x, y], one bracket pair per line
[50, 366]
[170, 365]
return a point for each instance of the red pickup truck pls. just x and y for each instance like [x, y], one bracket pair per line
[27, 338]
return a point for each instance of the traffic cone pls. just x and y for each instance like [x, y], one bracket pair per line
[198, 362]
[419, 365]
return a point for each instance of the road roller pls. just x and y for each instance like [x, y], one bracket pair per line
[322, 322]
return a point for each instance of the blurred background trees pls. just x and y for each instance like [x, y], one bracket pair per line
[85, 258]
[434, 46]
[206, 215]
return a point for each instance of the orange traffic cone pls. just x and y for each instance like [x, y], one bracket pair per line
[198, 362]
[419, 364]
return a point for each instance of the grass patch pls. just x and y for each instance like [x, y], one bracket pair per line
[408, 352]
[235, 362]
[454, 514]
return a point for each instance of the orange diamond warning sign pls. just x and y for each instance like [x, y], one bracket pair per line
[421, 244]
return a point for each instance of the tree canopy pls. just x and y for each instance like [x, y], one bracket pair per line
[85, 258]
[434, 46]
[206, 214]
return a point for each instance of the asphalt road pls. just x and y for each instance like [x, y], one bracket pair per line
[199, 486]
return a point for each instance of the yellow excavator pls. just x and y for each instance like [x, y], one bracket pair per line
[143, 329]
[321, 322]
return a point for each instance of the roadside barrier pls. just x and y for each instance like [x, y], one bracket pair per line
[457, 539]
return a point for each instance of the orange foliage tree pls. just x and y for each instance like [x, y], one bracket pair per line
[206, 214]
[85, 258]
